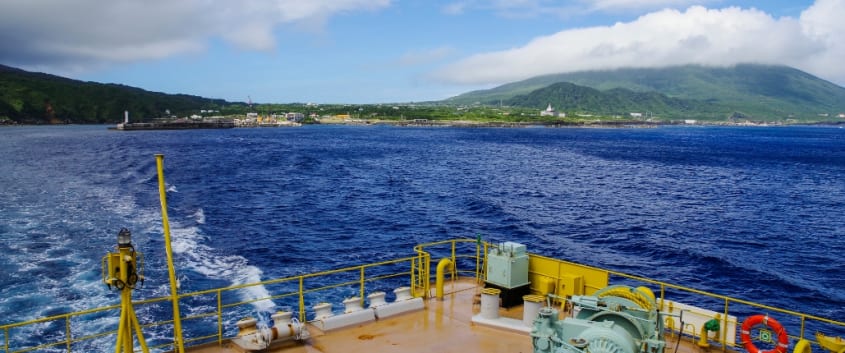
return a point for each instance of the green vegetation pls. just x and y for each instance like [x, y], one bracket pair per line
[36, 98]
[581, 100]
[758, 92]
[736, 94]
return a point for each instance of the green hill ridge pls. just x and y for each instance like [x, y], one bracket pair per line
[38, 98]
[762, 92]
[614, 102]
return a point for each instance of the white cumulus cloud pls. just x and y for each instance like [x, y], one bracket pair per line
[619, 5]
[534, 8]
[697, 35]
[823, 25]
[80, 33]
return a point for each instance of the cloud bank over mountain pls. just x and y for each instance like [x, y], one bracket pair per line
[697, 35]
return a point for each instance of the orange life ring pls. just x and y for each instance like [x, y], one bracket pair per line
[749, 323]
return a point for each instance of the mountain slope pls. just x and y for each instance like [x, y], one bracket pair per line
[28, 97]
[617, 101]
[757, 90]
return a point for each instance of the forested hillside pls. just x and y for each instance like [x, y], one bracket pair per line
[37, 98]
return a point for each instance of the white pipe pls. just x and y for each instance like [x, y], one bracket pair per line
[284, 327]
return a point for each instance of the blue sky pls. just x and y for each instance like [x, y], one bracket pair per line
[379, 51]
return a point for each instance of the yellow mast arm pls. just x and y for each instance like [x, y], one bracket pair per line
[174, 296]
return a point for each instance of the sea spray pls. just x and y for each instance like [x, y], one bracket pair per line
[196, 256]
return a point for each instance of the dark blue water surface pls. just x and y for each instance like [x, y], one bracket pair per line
[755, 213]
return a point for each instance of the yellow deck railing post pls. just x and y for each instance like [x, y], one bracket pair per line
[478, 260]
[723, 335]
[363, 278]
[174, 295]
[68, 336]
[219, 317]
[301, 299]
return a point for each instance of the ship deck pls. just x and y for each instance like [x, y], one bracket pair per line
[443, 326]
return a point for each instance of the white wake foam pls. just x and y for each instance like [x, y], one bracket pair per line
[187, 242]
[199, 215]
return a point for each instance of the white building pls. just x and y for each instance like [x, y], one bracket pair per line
[551, 112]
[295, 117]
[636, 115]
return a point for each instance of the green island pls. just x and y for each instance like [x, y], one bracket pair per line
[746, 94]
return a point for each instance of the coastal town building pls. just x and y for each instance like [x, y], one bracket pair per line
[295, 117]
[551, 112]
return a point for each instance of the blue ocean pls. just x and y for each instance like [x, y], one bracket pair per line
[756, 213]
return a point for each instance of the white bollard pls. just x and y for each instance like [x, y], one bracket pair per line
[352, 305]
[490, 303]
[322, 311]
[376, 299]
[281, 318]
[402, 293]
[530, 308]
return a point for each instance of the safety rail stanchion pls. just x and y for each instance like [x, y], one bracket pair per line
[477, 260]
[301, 299]
[454, 261]
[68, 336]
[361, 293]
[723, 339]
[219, 317]
[413, 280]
[484, 260]
[801, 335]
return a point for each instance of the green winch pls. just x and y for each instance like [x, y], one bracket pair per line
[616, 319]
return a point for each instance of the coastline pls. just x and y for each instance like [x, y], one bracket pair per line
[474, 124]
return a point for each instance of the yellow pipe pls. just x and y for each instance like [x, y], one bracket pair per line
[702, 341]
[803, 346]
[438, 283]
[174, 296]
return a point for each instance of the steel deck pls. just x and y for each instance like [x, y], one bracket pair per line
[443, 326]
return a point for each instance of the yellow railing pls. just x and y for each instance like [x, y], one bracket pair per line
[725, 312]
[414, 269]
[563, 278]
[472, 251]
[467, 255]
